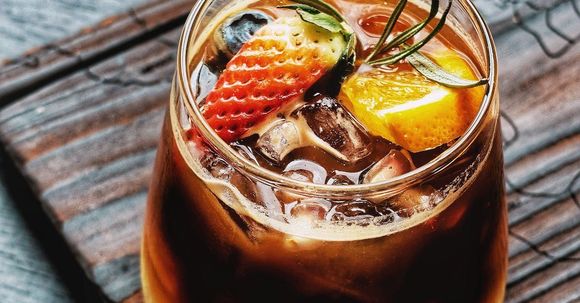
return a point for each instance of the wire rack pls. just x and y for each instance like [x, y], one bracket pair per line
[562, 37]
[568, 192]
[522, 9]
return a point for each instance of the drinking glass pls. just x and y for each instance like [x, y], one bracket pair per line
[208, 239]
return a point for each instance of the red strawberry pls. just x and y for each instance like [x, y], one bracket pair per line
[276, 66]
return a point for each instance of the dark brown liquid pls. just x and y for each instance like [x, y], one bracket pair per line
[196, 248]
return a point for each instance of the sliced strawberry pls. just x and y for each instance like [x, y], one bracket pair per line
[276, 66]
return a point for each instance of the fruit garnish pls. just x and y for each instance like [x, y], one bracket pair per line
[408, 109]
[275, 66]
[421, 63]
[237, 29]
[418, 111]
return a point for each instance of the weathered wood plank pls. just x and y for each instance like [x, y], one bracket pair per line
[525, 95]
[544, 225]
[563, 153]
[86, 142]
[102, 186]
[107, 144]
[557, 249]
[39, 66]
[544, 193]
[542, 164]
[565, 292]
[25, 24]
[26, 275]
[546, 280]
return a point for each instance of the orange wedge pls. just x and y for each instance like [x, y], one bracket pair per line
[411, 111]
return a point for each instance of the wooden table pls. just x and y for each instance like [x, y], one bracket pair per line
[36, 265]
[80, 121]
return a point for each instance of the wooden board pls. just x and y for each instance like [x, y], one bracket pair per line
[153, 29]
[43, 65]
[84, 117]
[28, 23]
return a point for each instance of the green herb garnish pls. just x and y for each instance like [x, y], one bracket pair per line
[434, 72]
[324, 15]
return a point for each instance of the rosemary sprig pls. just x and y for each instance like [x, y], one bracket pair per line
[434, 72]
[388, 28]
[412, 31]
[407, 51]
[421, 63]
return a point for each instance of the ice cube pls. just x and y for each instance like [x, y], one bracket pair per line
[279, 140]
[216, 166]
[312, 209]
[203, 81]
[339, 180]
[340, 133]
[418, 198]
[220, 169]
[246, 187]
[300, 174]
[392, 165]
[356, 210]
[301, 170]
[318, 171]
[245, 151]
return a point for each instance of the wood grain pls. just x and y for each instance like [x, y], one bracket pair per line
[42, 65]
[25, 274]
[32, 269]
[543, 164]
[86, 141]
[25, 24]
[122, 106]
[106, 140]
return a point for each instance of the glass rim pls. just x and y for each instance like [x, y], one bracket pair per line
[271, 178]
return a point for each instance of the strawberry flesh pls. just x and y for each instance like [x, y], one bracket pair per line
[276, 66]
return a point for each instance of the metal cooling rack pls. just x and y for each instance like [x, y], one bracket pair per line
[521, 10]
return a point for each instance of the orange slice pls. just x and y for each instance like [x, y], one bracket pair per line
[411, 111]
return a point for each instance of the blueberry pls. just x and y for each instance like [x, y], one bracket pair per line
[238, 29]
